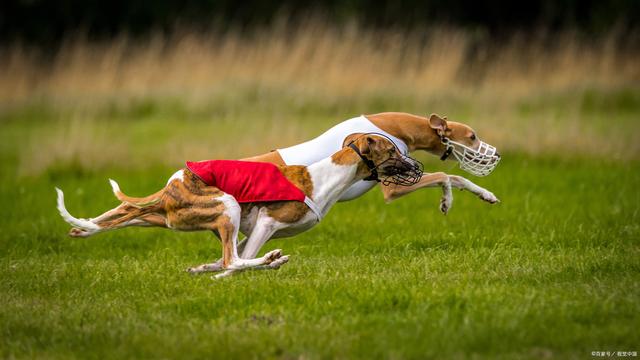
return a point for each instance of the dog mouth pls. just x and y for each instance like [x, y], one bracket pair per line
[480, 162]
[405, 171]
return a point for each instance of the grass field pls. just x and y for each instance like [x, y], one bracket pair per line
[552, 271]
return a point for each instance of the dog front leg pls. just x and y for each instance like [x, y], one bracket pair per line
[461, 183]
[273, 265]
[439, 179]
[262, 231]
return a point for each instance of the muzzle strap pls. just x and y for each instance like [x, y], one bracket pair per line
[370, 164]
[448, 150]
[446, 153]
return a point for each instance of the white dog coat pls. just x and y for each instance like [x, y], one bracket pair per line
[331, 142]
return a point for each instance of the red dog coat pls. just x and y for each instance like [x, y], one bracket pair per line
[247, 181]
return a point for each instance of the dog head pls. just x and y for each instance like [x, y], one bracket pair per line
[384, 161]
[474, 155]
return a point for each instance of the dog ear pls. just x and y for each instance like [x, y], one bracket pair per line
[351, 138]
[367, 144]
[438, 124]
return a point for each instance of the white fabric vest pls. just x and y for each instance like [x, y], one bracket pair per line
[330, 142]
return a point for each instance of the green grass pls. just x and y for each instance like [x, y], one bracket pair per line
[552, 270]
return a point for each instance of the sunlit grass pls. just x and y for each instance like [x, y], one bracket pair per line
[552, 270]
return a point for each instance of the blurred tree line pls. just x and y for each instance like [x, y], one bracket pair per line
[48, 21]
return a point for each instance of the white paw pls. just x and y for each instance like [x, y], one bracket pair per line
[75, 232]
[275, 265]
[205, 268]
[223, 274]
[445, 203]
[489, 197]
[272, 255]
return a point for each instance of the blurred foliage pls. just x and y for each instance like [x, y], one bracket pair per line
[47, 22]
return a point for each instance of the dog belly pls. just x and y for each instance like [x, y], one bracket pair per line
[358, 189]
[294, 229]
[250, 219]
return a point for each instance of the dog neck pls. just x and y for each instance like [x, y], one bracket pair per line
[332, 176]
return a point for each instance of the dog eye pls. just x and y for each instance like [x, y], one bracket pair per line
[473, 136]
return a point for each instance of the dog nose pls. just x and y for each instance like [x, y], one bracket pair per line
[498, 154]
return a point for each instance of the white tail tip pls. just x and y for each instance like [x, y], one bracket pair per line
[79, 223]
[114, 186]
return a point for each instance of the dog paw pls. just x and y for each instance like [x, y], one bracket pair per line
[489, 197]
[223, 274]
[275, 265]
[445, 204]
[75, 232]
[195, 270]
[217, 266]
[272, 255]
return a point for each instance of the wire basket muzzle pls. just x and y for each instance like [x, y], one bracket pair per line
[479, 162]
[403, 170]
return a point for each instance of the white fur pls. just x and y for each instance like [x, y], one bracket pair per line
[330, 181]
[447, 198]
[90, 227]
[178, 175]
[465, 184]
[232, 210]
[332, 141]
[83, 224]
[114, 186]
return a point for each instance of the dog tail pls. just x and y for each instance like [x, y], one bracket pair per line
[83, 224]
[92, 226]
[140, 203]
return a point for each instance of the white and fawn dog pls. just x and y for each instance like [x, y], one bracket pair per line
[187, 203]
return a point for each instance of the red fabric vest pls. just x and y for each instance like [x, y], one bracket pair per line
[247, 181]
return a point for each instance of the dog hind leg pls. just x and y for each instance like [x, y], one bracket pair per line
[121, 216]
[223, 218]
[229, 235]
[216, 266]
[262, 232]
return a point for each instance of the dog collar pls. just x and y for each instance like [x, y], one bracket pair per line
[370, 164]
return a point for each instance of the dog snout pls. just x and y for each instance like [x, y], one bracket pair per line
[407, 165]
[396, 167]
[392, 170]
[404, 165]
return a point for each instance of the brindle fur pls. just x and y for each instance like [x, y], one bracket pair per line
[189, 204]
